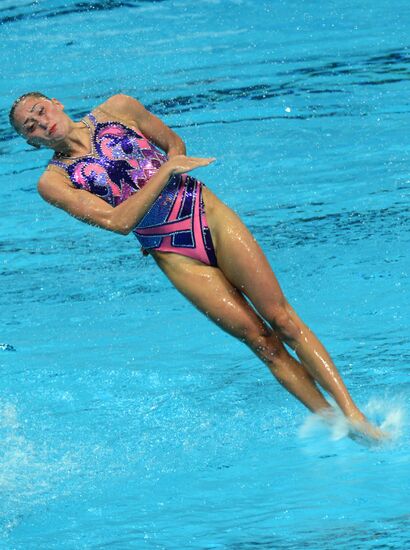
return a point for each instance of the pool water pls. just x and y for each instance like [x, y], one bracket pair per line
[127, 419]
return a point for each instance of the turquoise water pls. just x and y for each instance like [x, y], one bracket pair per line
[128, 420]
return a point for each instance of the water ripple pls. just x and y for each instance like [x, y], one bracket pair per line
[34, 10]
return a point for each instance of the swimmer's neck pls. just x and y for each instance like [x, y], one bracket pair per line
[76, 143]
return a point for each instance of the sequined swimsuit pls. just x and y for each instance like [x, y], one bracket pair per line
[121, 162]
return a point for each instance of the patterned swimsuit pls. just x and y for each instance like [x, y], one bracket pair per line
[121, 162]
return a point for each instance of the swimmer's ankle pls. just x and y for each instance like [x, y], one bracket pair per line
[356, 416]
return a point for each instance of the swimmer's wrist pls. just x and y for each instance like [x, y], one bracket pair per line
[170, 166]
[167, 169]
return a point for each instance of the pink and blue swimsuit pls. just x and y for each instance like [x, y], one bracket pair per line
[121, 162]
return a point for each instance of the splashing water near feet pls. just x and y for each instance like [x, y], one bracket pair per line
[390, 417]
[384, 425]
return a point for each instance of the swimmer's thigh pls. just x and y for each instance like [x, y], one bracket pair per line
[209, 290]
[241, 259]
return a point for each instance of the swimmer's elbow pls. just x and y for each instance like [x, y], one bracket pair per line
[118, 227]
[125, 230]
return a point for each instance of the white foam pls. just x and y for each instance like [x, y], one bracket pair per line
[30, 473]
[388, 414]
[335, 427]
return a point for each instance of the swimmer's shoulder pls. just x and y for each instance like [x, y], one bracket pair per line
[56, 173]
[123, 107]
[53, 181]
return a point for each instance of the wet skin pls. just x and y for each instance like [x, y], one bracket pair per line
[219, 292]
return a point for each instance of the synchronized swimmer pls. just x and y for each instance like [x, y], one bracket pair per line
[122, 169]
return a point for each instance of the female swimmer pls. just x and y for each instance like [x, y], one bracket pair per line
[109, 170]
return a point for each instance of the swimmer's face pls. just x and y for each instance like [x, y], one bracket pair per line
[42, 122]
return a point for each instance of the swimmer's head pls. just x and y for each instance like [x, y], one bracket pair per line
[38, 119]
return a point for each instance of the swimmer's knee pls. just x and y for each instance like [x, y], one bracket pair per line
[264, 343]
[281, 319]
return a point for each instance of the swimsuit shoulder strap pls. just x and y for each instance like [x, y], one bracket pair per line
[91, 118]
[56, 162]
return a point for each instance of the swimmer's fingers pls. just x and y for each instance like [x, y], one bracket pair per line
[180, 163]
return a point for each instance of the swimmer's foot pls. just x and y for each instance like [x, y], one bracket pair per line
[362, 431]
[356, 426]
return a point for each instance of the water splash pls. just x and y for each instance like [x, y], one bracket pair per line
[317, 426]
[390, 417]
[31, 474]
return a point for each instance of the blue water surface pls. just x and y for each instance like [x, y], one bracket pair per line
[127, 419]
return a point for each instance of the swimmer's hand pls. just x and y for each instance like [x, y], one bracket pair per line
[181, 164]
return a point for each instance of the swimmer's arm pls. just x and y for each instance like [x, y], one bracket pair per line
[151, 126]
[95, 211]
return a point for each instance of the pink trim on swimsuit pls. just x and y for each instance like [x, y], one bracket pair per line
[120, 163]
